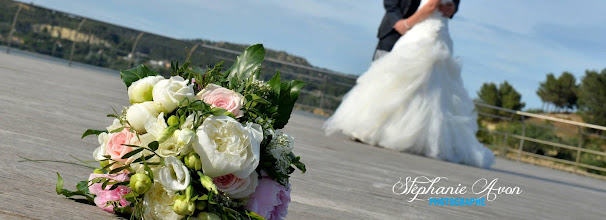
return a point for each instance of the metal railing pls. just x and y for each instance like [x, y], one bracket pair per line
[565, 154]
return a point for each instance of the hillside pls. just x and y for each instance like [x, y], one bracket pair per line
[53, 33]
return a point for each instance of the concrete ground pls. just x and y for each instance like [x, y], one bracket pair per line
[45, 106]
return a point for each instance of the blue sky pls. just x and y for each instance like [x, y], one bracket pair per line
[514, 40]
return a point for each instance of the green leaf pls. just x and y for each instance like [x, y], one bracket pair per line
[153, 145]
[275, 84]
[117, 130]
[254, 216]
[150, 173]
[108, 165]
[131, 75]
[218, 111]
[116, 184]
[289, 93]
[82, 190]
[117, 170]
[129, 145]
[300, 166]
[130, 154]
[247, 64]
[203, 197]
[83, 186]
[59, 186]
[91, 132]
[140, 159]
[258, 99]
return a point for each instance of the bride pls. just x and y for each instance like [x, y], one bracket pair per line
[412, 99]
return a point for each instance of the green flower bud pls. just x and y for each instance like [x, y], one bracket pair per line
[166, 134]
[193, 161]
[140, 183]
[99, 171]
[173, 120]
[201, 205]
[208, 216]
[207, 182]
[104, 163]
[184, 206]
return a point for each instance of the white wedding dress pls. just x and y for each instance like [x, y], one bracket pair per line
[413, 99]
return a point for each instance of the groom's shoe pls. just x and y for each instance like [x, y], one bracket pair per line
[355, 139]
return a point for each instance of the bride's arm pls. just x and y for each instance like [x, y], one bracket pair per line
[422, 13]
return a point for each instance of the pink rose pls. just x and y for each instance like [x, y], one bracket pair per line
[270, 200]
[220, 97]
[115, 145]
[235, 187]
[105, 198]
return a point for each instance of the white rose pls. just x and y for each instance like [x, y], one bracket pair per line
[174, 176]
[138, 114]
[141, 90]
[115, 125]
[235, 187]
[227, 147]
[157, 204]
[169, 93]
[100, 151]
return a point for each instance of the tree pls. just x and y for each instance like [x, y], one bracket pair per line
[567, 95]
[504, 96]
[510, 98]
[592, 97]
[547, 89]
[560, 92]
[489, 94]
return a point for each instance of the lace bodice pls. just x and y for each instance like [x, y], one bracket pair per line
[423, 2]
[437, 13]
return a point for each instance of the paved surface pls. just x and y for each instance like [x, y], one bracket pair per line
[45, 106]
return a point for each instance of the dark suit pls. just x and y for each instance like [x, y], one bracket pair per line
[394, 11]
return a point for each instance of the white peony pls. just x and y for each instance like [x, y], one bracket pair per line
[141, 90]
[227, 147]
[138, 114]
[169, 93]
[157, 204]
[174, 176]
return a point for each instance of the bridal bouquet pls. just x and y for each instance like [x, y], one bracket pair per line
[202, 144]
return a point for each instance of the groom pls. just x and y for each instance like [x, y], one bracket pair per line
[393, 25]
